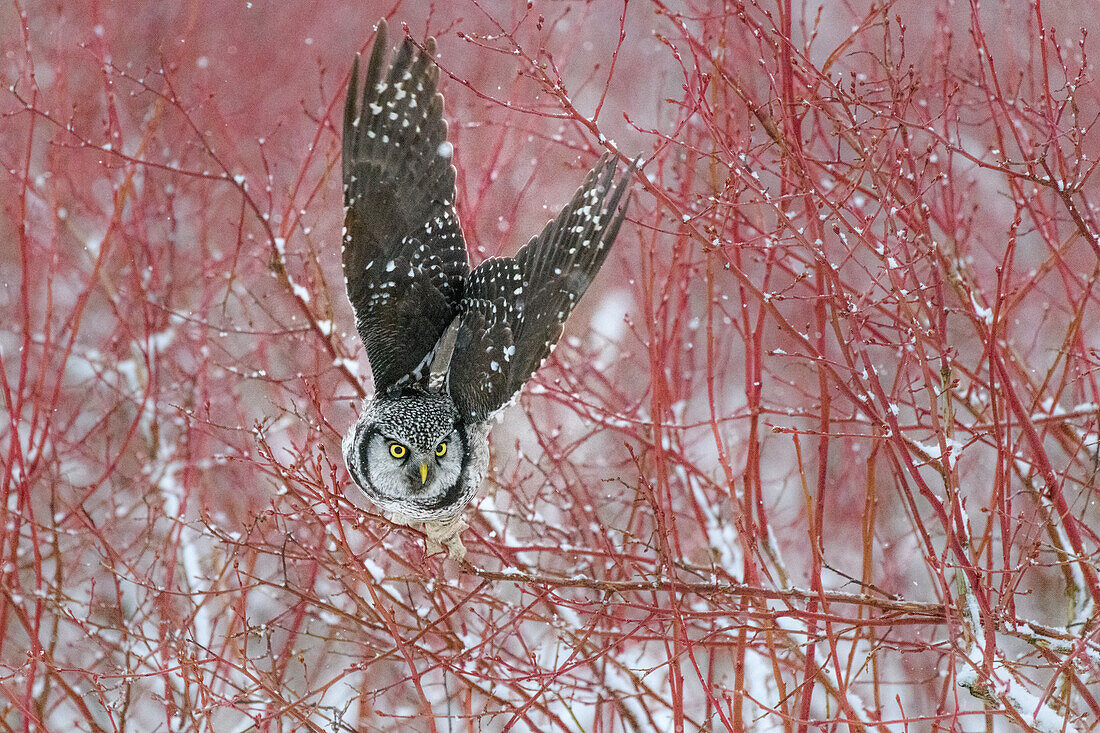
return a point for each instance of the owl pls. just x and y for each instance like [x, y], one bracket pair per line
[449, 346]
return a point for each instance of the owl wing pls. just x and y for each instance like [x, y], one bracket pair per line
[404, 255]
[514, 308]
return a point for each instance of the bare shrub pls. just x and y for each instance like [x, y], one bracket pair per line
[818, 451]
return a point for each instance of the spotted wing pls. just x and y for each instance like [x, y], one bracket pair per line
[515, 308]
[404, 255]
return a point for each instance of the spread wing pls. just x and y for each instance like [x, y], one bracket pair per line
[404, 255]
[514, 308]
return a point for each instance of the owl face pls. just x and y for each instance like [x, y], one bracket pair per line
[407, 455]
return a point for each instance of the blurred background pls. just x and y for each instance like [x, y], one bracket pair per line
[817, 451]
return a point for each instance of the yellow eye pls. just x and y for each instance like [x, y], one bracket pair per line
[441, 449]
[397, 450]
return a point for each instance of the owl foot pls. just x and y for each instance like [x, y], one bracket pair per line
[445, 535]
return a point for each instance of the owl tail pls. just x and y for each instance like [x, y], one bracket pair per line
[441, 359]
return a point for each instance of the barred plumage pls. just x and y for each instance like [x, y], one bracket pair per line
[410, 285]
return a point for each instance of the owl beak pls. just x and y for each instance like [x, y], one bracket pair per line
[423, 473]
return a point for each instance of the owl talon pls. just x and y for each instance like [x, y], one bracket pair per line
[455, 549]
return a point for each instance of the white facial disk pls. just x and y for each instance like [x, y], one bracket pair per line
[399, 471]
[407, 454]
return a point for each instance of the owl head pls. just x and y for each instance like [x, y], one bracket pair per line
[407, 452]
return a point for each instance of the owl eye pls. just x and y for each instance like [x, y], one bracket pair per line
[398, 451]
[441, 449]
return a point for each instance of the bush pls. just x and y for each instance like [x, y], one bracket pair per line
[819, 449]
